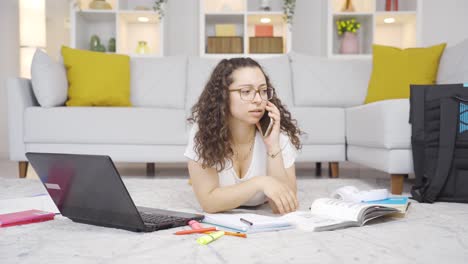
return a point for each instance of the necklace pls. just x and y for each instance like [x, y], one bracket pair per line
[248, 153]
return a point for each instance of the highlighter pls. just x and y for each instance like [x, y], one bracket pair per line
[206, 239]
[195, 225]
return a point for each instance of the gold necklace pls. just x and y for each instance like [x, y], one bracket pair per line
[248, 154]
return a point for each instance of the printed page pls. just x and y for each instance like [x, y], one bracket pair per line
[337, 209]
[306, 221]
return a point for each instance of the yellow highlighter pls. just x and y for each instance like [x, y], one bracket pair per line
[210, 237]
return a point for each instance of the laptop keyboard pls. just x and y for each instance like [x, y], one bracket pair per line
[160, 220]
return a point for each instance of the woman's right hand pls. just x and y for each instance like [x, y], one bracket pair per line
[281, 195]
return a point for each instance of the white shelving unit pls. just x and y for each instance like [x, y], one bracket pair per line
[244, 14]
[404, 32]
[121, 22]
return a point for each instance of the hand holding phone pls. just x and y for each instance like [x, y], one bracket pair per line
[266, 124]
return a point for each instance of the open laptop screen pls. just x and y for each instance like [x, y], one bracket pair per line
[86, 188]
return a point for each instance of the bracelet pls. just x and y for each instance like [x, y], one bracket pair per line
[276, 154]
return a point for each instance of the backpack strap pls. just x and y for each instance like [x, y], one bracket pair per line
[449, 114]
[417, 120]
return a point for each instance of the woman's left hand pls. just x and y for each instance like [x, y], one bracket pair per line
[272, 141]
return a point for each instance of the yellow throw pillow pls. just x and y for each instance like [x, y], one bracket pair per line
[97, 79]
[394, 69]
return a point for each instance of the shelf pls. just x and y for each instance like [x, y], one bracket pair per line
[121, 23]
[132, 4]
[403, 5]
[244, 15]
[131, 31]
[255, 6]
[223, 6]
[89, 23]
[360, 6]
[84, 5]
[402, 33]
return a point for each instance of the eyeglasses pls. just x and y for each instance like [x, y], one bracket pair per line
[248, 94]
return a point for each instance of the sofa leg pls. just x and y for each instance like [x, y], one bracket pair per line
[333, 169]
[318, 168]
[397, 183]
[150, 169]
[23, 169]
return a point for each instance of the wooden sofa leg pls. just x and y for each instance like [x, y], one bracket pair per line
[397, 183]
[150, 169]
[333, 169]
[318, 168]
[23, 169]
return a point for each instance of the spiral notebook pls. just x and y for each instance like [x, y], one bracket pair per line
[259, 223]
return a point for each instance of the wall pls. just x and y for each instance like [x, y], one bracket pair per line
[444, 21]
[57, 12]
[9, 61]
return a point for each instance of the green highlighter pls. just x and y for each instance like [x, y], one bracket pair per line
[210, 237]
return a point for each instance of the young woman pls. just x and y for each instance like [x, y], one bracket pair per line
[230, 162]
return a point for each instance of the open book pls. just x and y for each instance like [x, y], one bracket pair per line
[400, 203]
[330, 214]
[259, 223]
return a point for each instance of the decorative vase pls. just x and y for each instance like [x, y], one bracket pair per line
[111, 45]
[94, 43]
[99, 4]
[349, 43]
[142, 47]
[265, 5]
[348, 6]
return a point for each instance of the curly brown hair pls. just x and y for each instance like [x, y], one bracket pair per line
[211, 112]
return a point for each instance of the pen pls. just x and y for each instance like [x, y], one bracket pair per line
[194, 231]
[246, 221]
[230, 234]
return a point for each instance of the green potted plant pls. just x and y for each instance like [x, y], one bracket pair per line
[159, 6]
[348, 28]
[288, 9]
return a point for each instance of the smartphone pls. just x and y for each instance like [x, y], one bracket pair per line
[266, 124]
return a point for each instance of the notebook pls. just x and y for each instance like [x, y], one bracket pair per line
[260, 223]
[25, 217]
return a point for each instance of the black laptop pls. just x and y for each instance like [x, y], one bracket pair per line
[88, 189]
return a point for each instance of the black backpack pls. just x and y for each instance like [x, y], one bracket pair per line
[439, 140]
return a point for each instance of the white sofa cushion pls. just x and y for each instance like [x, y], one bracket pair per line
[104, 125]
[382, 124]
[49, 80]
[322, 125]
[279, 71]
[158, 82]
[329, 82]
[453, 67]
[198, 74]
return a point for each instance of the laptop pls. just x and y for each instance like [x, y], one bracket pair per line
[88, 189]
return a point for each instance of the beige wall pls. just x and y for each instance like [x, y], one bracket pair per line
[9, 61]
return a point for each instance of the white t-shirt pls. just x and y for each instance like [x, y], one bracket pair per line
[257, 167]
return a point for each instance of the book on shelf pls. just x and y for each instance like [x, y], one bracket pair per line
[263, 30]
[247, 222]
[225, 30]
[330, 214]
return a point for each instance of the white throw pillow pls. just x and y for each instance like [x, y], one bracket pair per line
[49, 80]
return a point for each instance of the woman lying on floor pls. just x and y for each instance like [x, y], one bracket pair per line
[231, 162]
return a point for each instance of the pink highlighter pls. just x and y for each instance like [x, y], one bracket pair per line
[195, 225]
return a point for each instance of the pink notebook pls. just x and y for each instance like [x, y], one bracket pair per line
[25, 217]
